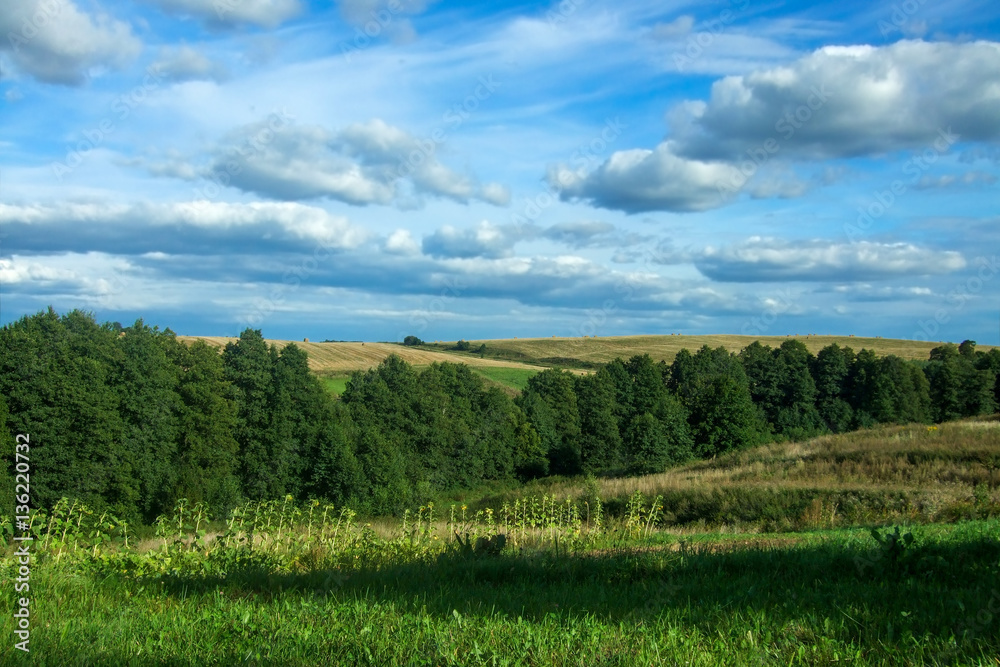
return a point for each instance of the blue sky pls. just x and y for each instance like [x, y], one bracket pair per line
[370, 169]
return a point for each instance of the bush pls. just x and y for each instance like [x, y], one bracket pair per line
[463, 346]
[410, 341]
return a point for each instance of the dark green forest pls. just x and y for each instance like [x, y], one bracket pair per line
[129, 420]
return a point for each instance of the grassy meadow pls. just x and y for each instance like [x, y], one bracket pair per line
[758, 557]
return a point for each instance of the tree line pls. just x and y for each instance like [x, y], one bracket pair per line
[130, 420]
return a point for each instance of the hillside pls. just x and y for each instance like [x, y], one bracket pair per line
[913, 473]
[527, 354]
[343, 358]
[585, 352]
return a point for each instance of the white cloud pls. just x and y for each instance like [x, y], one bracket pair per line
[139, 228]
[379, 17]
[760, 259]
[401, 242]
[229, 13]
[55, 42]
[640, 180]
[365, 163]
[483, 240]
[186, 64]
[846, 101]
[837, 102]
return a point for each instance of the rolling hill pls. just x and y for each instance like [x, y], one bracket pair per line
[579, 353]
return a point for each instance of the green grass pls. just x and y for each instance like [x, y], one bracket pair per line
[818, 598]
[515, 378]
[676, 568]
[335, 384]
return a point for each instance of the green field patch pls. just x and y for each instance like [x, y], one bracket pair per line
[516, 378]
[335, 384]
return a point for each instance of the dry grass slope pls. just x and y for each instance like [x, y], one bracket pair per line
[529, 353]
[665, 347]
[913, 473]
[332, 358]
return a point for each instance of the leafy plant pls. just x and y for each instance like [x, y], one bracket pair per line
[894, 545]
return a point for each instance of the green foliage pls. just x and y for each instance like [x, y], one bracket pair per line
[960, 385]
[894, 546]
[550, 403]
[410, 341]
[601, 445]
[130, 421]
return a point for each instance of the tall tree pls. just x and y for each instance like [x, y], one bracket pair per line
[714, 388]
[600, 437]
[797, 416]
[206, 453]
[249, 366]
[830, 371]
[147, 381]
[555, 389]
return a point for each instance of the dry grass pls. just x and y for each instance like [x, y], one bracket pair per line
[913, 472]
[949, 458]
[665, 347]
[331, 358]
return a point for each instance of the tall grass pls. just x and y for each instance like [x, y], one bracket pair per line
[819, 598]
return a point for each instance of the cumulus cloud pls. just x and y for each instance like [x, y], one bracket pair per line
[187, 64]
[364, 163]
[194, 227]
[56, 42]
[836, 102]
[483, 240]
[401, 242]
[641, 180]
[849, 101]
[230, 13]
[760, 259]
